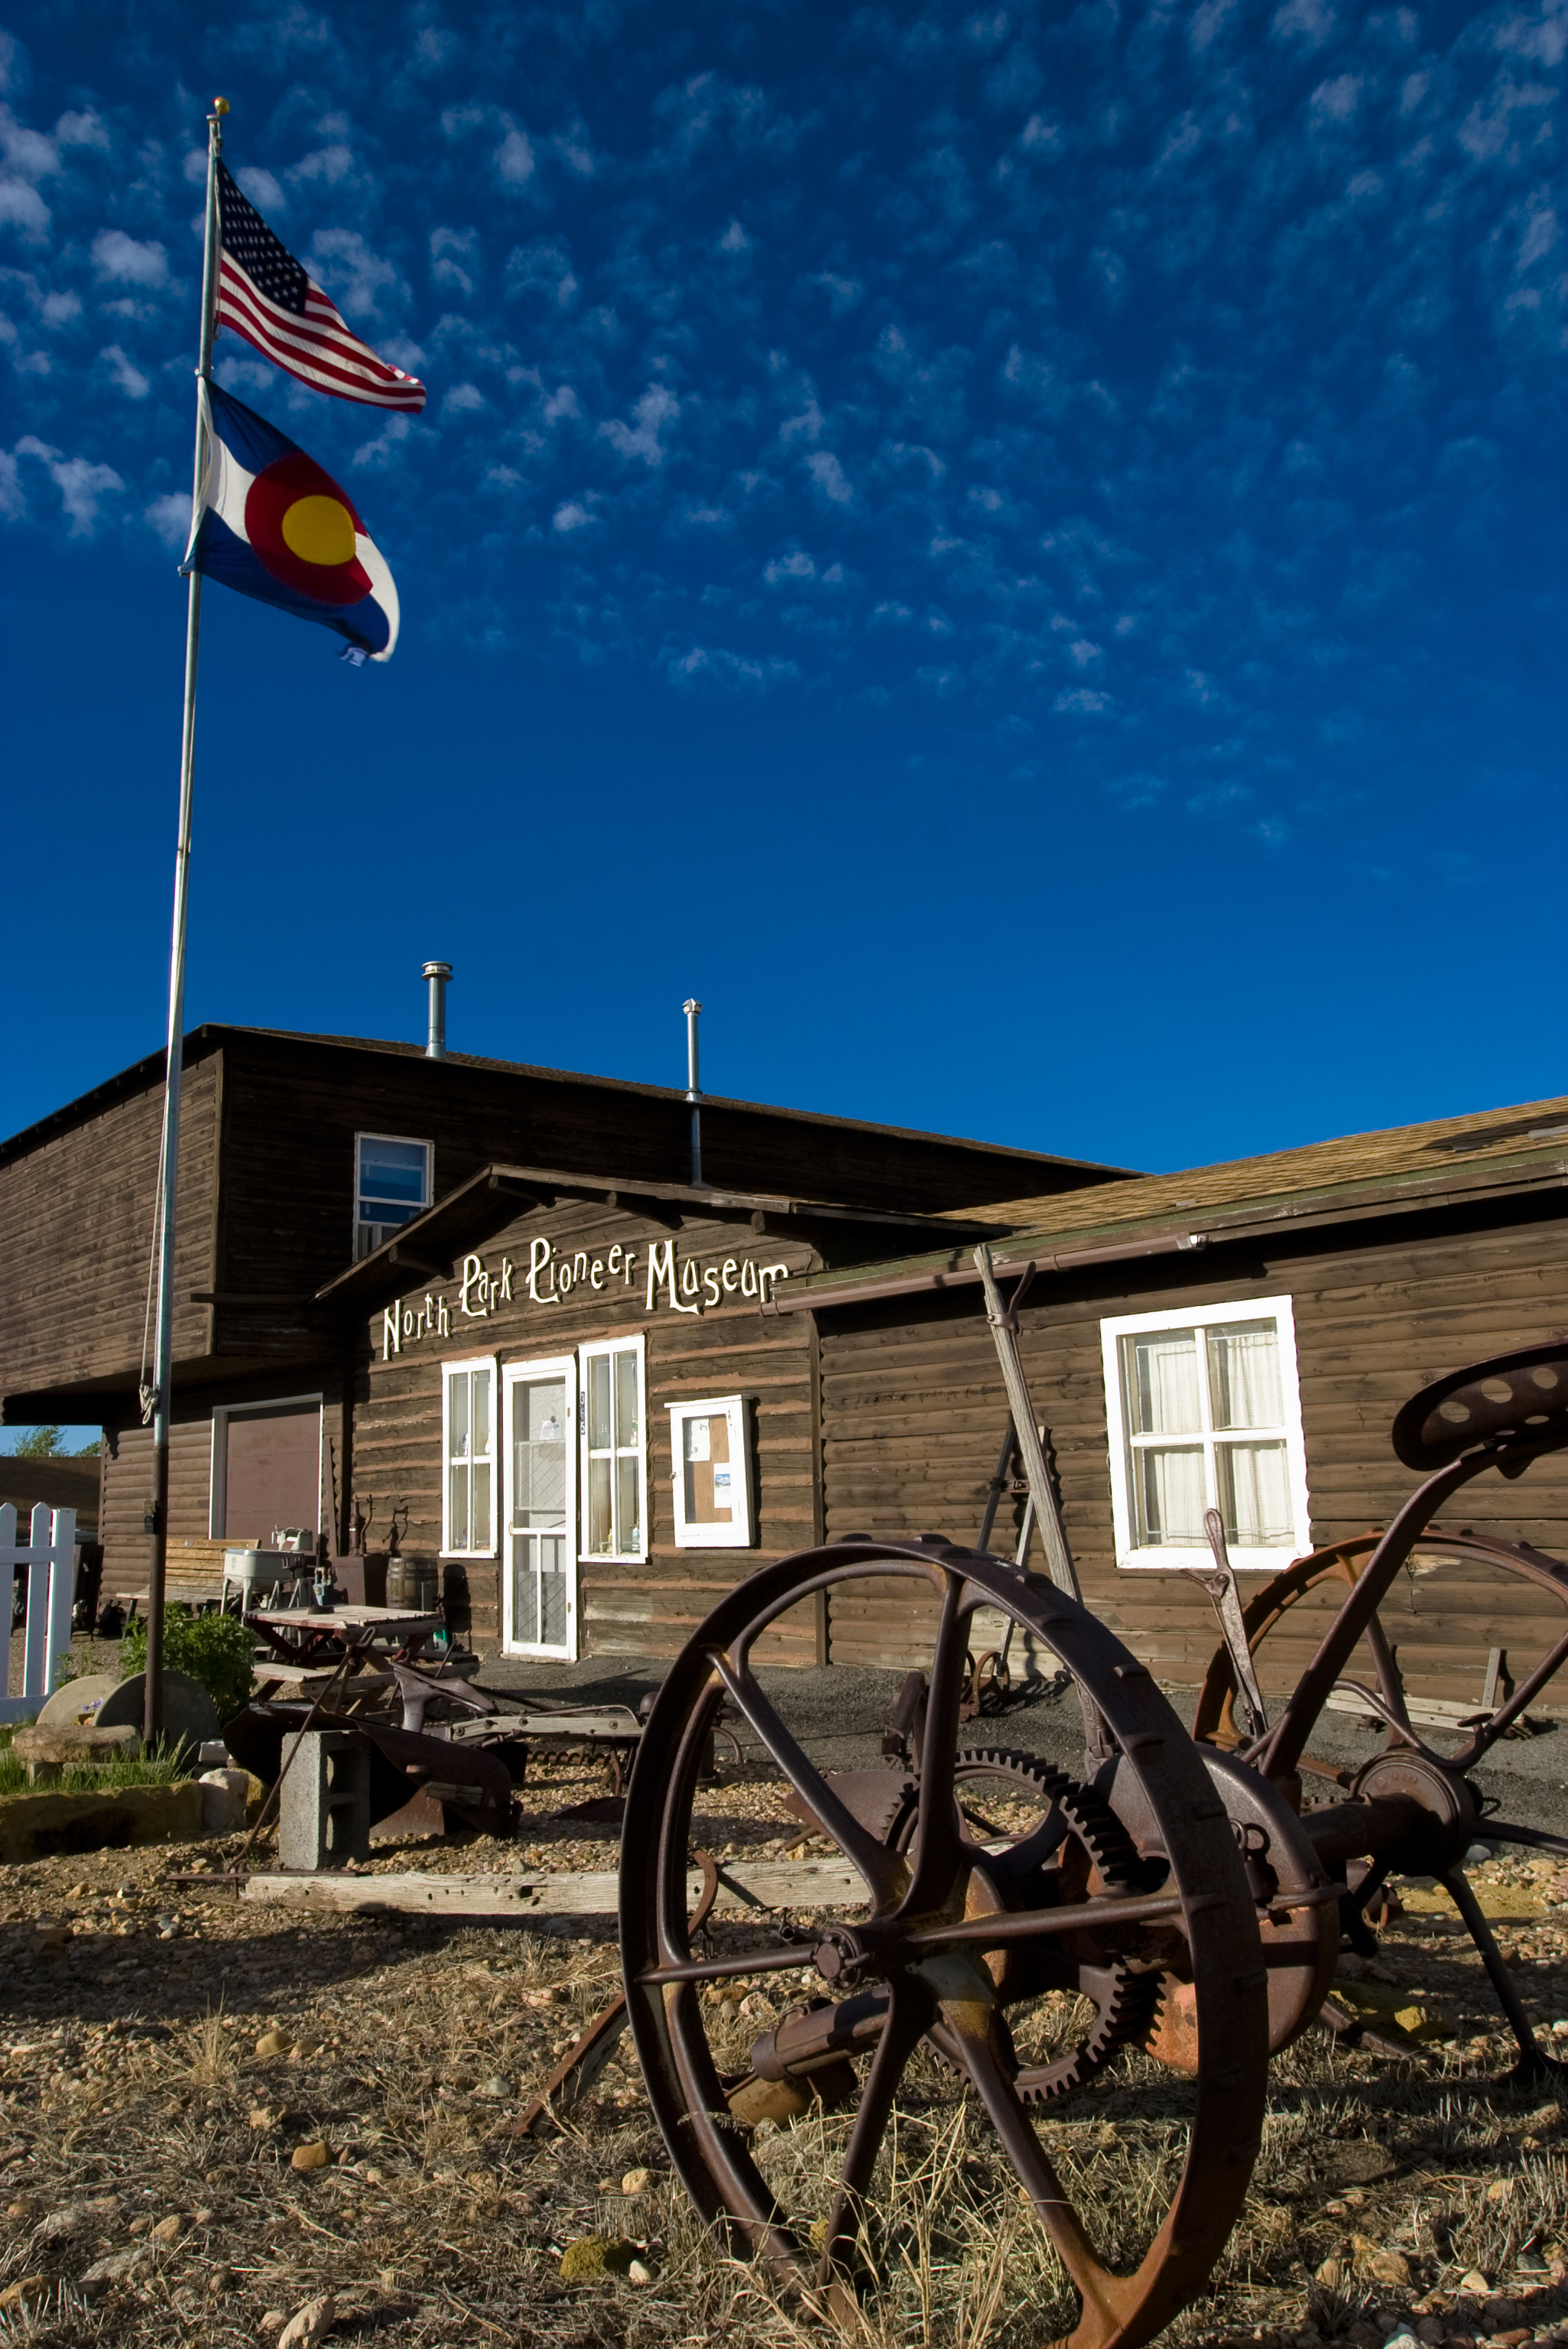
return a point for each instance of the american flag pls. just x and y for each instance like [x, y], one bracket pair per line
[265, 295]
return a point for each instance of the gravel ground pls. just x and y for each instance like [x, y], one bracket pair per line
[210, 2116]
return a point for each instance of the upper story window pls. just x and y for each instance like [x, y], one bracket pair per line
[392, 1185]
[1204, 1413]
[614, 1522]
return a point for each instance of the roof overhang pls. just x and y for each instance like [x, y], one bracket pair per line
[427, 1247]
[1331, 1208]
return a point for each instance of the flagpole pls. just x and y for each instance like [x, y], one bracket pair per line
[163, 1372]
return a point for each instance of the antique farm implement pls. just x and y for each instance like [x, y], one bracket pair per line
[1020, 1924]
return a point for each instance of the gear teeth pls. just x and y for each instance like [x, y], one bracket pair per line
[1127, 2014]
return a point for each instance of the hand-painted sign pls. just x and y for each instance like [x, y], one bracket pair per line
[668, 1279]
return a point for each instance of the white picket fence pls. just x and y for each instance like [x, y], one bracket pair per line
[50, 1558]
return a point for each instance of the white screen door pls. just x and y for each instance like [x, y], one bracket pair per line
[540, 1509]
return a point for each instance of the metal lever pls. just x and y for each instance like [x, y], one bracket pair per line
[1221, 1586]
[1005, 1333]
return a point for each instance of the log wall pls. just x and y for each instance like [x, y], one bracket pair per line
[648, 1608]
[913, 1412]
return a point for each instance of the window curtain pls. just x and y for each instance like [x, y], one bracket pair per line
[1163, 1383]
[1243, 1376]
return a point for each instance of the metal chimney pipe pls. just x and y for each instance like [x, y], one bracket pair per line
[691, 1006]
[436, 974]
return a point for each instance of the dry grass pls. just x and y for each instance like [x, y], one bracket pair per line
[140, 2092]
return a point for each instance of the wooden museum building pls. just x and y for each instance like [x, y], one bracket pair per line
[489, 1307]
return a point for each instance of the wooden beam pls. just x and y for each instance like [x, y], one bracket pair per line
[537, 1897]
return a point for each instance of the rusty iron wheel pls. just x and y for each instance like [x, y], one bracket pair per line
[944, 1939]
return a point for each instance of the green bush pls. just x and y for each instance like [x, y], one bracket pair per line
[215, 1649]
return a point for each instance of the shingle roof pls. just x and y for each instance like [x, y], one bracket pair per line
[1433, 1148]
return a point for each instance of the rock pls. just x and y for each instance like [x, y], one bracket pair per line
[1431, 2330]
[74, 2217]
[1388, 2267]
[167, 2231]
[308, 2324]
[25, 2288]
[49, 1751]
[756, 2008]
[636, 2181]
[262, 2117]
[1474, 2281]
[274, 2043]
[1331, 2274]
[495, 2088]
[310, 2157]
[116, 2267]
[638, 2272]
[592, 2257]
[225, 1797]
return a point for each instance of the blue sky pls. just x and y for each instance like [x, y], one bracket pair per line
[1015, 553]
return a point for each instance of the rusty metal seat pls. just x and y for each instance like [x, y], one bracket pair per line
[1522, 1394]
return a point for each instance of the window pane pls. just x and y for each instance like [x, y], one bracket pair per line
[481, 1520]
[598, 1402]
[481, 1413]
[628, 1412]
[524, 1592]
[1172, 1495]
[601, 1531]
[384, 1214]
[457, 1506]
[1254, 1495]
[458, 1415]
[629, 1501]
[552, 1592]
[393, 1170]
[1243, 1375]
[1160, 1375]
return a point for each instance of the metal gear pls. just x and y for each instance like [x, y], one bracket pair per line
[1124, 1999]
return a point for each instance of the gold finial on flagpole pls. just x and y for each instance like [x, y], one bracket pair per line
[220, 106]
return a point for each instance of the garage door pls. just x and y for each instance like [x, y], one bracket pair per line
[272, 1470]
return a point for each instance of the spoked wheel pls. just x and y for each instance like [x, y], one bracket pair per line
[925, 2002]
[1400, 1700]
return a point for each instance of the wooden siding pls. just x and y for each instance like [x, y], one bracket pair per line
[648, 1608]
[914, 1411]
[75, 1235]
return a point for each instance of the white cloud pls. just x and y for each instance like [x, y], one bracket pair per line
[1311, 21]
[123, 260]
[735, 239]
[23, 207]
[355, 277]
[327, 164]
[169, 517]
[61, 309]
[656, 409]
[376, 455]
[514, 159]
[29, 153]
[462, 399]
[85, 130]
[830, 477]
[1082, 701]
[711, 664]
[573, 515]
[82, 485]
[264, 191]
[128, 376]
[13, 501]
[797, 565]
[1337, 100]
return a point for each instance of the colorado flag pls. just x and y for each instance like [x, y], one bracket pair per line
[271, 523]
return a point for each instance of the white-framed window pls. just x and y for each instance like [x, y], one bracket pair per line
[1204, 1412]
[614, 1451]
[538, 1588]
[712, 1475]
[467, 1458]
[391, 1187]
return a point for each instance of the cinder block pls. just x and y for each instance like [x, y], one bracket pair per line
[324, 1818]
